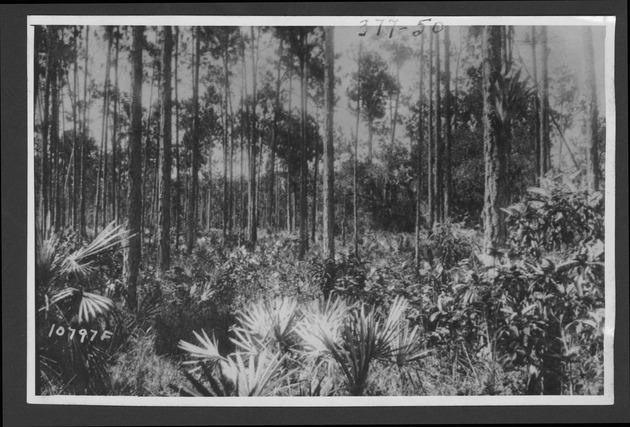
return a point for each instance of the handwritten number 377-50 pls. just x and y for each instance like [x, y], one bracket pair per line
[422, 24]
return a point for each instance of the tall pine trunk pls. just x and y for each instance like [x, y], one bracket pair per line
[84, 139]
[446, 198]
[355, 162]
[437, 135]
[115, 183]
[251, 194]
[194, 190]
[272, 206]
[419, 162]
[545, 142]
[303, 166]
[226, 91]
[592, 154]
[329, 171]
[430, 148]
[164, 253]
[178, 191]
[494, 142]
[134, 215]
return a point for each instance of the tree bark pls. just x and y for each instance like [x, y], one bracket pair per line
[437, 135]
[494, 142]
[226, 92]
[303, 248]
[446, 198]
[537, 140]
[545, 150]
[251, 199]
[430, 148]
[356, 157]
[84, 139]
[194, 190]
[164, 253]
[592, 154]
[134, 251]
[99, 201]
[329, 156]
[115, 184]
[419, 162]
[46, 127]
[272, 206]
[178, 190]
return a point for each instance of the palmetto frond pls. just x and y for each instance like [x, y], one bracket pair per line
[209, 349]
[323, 320]
[255, 375]
[357, 341]
[266, 322]
[87, 306]
[407, 347]
[77, 262]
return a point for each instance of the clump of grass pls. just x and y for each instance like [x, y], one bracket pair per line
[139, 371]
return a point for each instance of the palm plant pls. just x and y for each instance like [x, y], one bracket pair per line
[267, 324]
[54, 266]
[255, 375]
[406, 348]
[356, 342]
[321, 318]
[64, 297]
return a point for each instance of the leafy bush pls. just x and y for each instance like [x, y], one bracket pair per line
[453, 243]
[555, 217]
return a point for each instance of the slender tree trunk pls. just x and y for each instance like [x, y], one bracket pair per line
[290, 217]
[100, 188]
[251, 208]
[55, 142]
[115, 183]
[134, 251]
[536, 105]
[194, 190]
[46, 127]
[303, 166]
[494, 142]
[242, 159]
[356, 156]
[395, 115]
[244, 118]
[446, 198]
[272, 206]
[419, 163]
[164, 253]
[178, 191]
[314, 204]
[231, 210]
[147, 146]
[592, 154]
[85, 138]
[75, 125]
[545, 150]
[437, 135]
[329, 156]
[226, 76]
[430, 147]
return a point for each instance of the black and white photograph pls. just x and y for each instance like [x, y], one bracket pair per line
[313, 211]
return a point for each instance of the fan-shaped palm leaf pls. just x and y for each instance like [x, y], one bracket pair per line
[209, 349]
[255, 375]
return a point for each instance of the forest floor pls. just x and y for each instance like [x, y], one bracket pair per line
[245, 320]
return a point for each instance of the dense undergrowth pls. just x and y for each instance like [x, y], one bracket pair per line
[239, 321]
